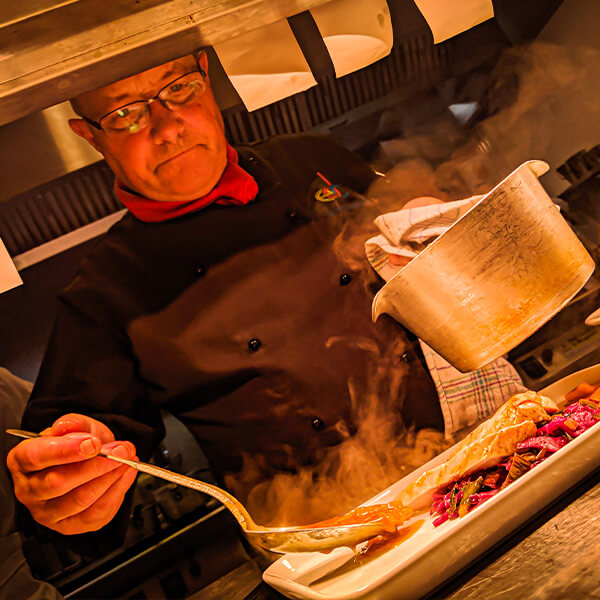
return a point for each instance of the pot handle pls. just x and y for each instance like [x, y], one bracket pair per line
[537, 167]
[594, 318]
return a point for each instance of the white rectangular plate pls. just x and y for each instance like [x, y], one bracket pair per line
[432, 555]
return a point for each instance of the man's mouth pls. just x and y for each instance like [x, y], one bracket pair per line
[180, 154]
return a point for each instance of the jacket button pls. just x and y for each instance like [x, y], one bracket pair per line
[345, 279]
[317, 424]
[200, 270]
[254, 344]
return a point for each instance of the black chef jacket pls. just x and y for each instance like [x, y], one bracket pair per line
[240, 320]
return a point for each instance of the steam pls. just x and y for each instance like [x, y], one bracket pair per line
[517, 106]
[376, 454]
[538, 101]
[366, 463]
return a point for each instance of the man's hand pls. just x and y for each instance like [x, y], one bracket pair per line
[64, 483]
[402, 261]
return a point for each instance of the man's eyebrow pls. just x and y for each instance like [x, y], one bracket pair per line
[165, 78]
[120, 97]
[172, 71]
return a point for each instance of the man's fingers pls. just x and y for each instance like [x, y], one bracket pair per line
[80, 498]
[102, 511]
[60, 480]
[74, 422]
[48, 451]
[423, 201]
[399, 261]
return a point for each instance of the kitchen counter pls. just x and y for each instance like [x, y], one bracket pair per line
[553, 556]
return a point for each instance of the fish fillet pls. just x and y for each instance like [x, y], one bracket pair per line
[484, 447]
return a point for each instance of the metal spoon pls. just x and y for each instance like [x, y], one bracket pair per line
[275, 539]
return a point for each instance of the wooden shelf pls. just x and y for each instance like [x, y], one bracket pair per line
[52, 50]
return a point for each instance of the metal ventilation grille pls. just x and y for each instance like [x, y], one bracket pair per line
[416, 59]
[57, 208]
[581, 166]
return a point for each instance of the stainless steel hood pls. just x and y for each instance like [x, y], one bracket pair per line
[52, 50]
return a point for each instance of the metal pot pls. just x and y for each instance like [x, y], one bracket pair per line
[494, 277]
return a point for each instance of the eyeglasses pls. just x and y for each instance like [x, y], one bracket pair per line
[134, 117]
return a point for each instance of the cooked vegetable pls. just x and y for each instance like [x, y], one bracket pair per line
[471, 488]
[552, 444]
[570, 424]
[558, 423]
[491, 479]
[583, 390]
[583, 414]
[519, 465]
[455, 496]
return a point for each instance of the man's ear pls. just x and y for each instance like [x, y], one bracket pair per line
[202, 60]
[82, 129]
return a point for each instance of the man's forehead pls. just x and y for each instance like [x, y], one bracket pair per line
[136, 86]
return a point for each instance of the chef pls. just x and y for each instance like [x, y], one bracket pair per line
[219, 298]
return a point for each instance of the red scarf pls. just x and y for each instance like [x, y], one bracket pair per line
[236, 187]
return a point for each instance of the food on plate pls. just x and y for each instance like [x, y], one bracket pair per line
[459, 496]
[486, 446]
[524, 431]
[583, 390]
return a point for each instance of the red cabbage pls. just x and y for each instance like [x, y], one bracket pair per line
[557, 424]
[552, 444]
[441, 519]
[584, 415]
[480, 497]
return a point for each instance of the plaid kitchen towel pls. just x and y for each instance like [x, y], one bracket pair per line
[465, 398]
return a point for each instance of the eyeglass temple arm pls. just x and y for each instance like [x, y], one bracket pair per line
[93, 123]
[197, 54]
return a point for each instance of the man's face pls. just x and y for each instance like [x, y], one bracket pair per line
[180, 155]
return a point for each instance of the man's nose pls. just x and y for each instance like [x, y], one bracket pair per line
[165, 125]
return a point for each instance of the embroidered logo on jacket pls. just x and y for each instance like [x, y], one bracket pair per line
[328, 192]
